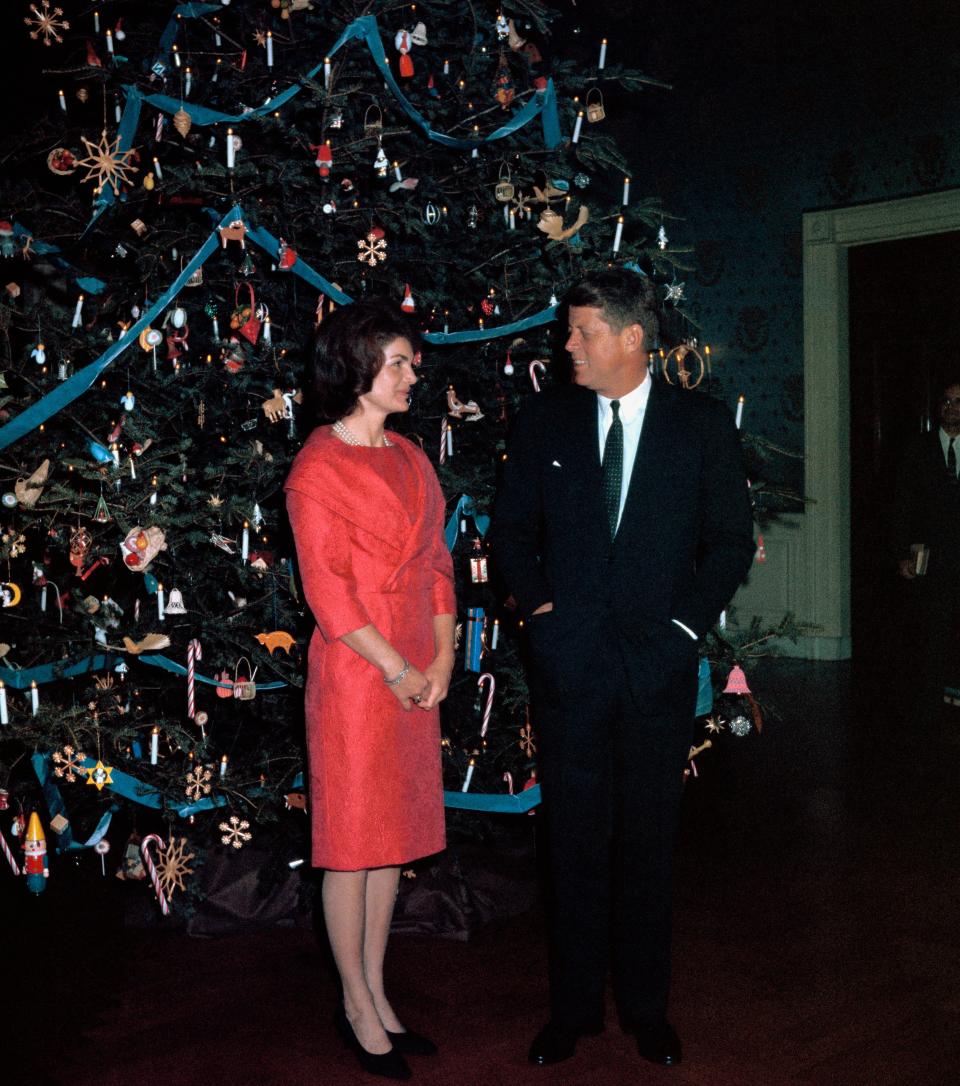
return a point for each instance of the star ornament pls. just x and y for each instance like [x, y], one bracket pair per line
[675, 292]
[99, 775]
[48, 23]
[106, 164]
[714, 725]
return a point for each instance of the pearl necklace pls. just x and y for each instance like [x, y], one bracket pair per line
[348, 436]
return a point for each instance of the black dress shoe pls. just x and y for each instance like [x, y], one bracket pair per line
[410, 1043]
[555, 1043]
[386, 1064]
[658, 1043]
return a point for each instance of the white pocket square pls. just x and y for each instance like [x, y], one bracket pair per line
[556, 464]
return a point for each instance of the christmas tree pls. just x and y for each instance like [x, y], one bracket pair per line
[201, 186]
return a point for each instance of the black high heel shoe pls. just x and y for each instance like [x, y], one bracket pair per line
[387, 1064]
[410, 1043]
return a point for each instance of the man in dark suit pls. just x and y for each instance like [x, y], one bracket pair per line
[622, 529]
[927, 514]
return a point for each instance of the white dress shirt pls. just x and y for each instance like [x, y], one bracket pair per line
[945, 440]
[633, 408]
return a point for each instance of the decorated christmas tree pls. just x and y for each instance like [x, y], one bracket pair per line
[200, 187]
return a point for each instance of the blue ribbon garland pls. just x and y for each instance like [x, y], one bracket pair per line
[542, 103]
[465, 508]
[62, 396]
[48, 673]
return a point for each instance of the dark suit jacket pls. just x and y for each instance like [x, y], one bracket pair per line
[684, 544]
[927, 508]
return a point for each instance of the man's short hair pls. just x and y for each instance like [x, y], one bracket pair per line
[625, 297]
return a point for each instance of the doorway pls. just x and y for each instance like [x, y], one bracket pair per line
[904, 325]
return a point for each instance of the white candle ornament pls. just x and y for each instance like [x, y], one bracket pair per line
[156, 168]
[160, 607]
[626, 191]
[187, 83]
[269, 48]
[96, 22]
[231, 151]
[223, 766]
[603, 55]
[326, 73]
[618, 234]
[4, 716]
[739, 418]
[577, 127]
[34, 698]
[110, 42]
[245, 542]
[154, 745]
[63, 100]
[77, 313]
[469, 776]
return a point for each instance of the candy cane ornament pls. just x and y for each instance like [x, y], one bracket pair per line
[151, 867]
[11, 860]
[488, 704]
[444, 429]
[194, 653]
[535, 365]
[508, 780]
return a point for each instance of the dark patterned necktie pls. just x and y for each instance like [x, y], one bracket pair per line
[952, 459]
[612, 468]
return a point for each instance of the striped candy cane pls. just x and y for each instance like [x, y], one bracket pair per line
[508, 780]
[194, 653]
[9, 855]
[535, 365]
[151, 867]
[488, 704]
[444, 427]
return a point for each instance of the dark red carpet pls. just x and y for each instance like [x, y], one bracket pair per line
[816, 943]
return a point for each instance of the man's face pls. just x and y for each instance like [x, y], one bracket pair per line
[604, 360]
[950, 409]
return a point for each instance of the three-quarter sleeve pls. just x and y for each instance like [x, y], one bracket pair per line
[324, 554]
[442, 597]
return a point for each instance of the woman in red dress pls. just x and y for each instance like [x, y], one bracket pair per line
[367, 516]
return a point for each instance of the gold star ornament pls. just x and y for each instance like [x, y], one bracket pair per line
[106, 164]
[99, 775]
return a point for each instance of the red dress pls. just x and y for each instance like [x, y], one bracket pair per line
[368, 525]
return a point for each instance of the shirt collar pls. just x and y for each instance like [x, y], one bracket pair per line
[632, 404]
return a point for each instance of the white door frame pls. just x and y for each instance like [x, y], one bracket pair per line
[808, 571]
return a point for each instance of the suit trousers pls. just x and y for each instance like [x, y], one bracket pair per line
[612, 778]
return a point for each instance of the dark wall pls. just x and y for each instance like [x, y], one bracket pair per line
[780, 109]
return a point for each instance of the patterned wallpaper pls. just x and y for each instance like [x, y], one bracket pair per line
[773, 115]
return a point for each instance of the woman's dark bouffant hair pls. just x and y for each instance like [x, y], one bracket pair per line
[348, 354]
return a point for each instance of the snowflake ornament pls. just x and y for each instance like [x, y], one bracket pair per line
[198, 782]
[674, 292]
[48, 23]
[68, 763]
[527, 745]
[739, 725]
[106, 164]
[714, 725]
[235, 832]
[173, 866]
[372, 249]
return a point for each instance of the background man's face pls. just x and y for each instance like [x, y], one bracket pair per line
[950, 409]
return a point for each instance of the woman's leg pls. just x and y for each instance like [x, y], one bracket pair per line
[381, 896]
[345, 912]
